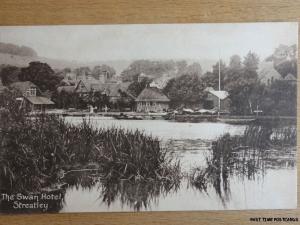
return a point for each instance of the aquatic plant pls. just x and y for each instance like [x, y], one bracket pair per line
[38, 151]
[244, 155]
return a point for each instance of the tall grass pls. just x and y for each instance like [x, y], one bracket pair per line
[244, 155]
[37, 152]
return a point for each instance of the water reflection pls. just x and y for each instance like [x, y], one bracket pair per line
[217, 173]
[246, 157]
[136, 195]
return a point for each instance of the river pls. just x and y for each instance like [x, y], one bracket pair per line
[275, 188]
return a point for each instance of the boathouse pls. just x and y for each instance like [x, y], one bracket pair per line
[212, 100]
[151, 99]
[31, 98]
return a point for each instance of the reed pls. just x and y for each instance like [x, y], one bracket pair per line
[243, 155]
[37, 152]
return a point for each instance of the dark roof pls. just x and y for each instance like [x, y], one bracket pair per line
[152, 94]
[37, 100]
[113, 89]
[68, 89]
[23, 86]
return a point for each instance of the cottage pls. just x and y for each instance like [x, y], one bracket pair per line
[213, 97]
[151, 99]
[116, 91]
[77, 87]
[31, 96]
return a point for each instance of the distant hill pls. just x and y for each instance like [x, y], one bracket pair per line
[23, 61]
[21, 56]
[7, 48]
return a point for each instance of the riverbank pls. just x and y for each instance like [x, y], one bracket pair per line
[191, 118]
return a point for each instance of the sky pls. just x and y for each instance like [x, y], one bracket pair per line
[161, 41]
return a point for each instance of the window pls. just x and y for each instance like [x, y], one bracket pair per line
[31, 92]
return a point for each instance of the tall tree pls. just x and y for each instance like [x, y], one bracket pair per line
[235, 62]
[211, 79]
[186, 89]
[10, 74]
[194, 68]
[251, 61]
[41, 74]
[103, 69]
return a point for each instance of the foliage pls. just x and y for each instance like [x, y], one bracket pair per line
[185, 89]
[251, 61]
[286, 67]
[192, 69]
[280, 99]
[41, 74]
[65, 100]
[235, 62]
[135, 88]
[103, 69]
[245, 90]
[148, 67]
[9, 74]
[36, 152]
[245, 155]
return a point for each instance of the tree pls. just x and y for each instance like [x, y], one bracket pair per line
[244, 90]
[235, 62]
[135, 88]
[211, 79]
[280, 99]
[9, 74]
[103, 69]
[251, 61]
[181, 67]
[186, 89]
[148, 67]
[41, 74]
[194, 68]
[286, 67]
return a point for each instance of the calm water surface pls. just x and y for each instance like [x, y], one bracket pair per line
[191, 143]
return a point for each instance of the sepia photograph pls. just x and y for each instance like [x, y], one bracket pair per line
[148, 117]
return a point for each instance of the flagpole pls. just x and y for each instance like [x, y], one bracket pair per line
[219, 84]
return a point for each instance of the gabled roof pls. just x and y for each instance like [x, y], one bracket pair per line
[67, 89]
[113, 89]
[23, 86]
[38, 100]
[152, 94]
[290, 77]
[220, 94]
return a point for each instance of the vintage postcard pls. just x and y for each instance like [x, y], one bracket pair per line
[161, 117]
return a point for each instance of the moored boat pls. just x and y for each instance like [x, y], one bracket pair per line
[239, 121]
